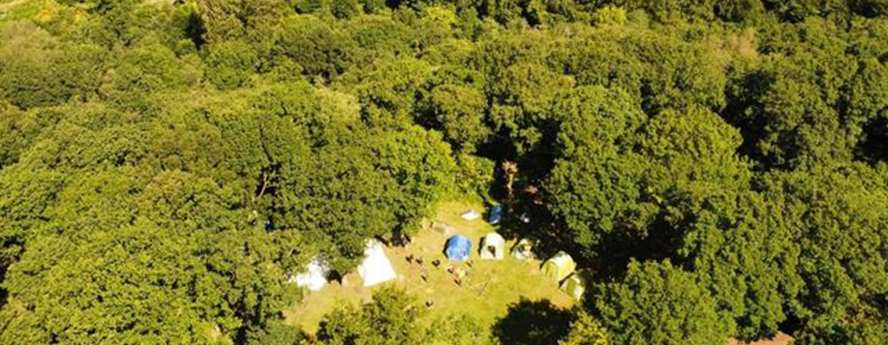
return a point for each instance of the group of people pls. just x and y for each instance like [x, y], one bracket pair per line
[457, 273]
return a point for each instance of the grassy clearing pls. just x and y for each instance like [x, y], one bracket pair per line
[486, 293]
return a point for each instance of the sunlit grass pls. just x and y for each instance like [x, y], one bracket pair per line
[485, 294]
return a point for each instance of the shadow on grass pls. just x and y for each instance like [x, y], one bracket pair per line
[533, 323]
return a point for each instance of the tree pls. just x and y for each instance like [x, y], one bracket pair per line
[139, 71]
[387, 89]
[737, 244]
[419, 162]
[453, 101]
[621, 177]
[657, 303]
[594, 187]
[834, 214]
[315, 45]
[38, 70]
[391, 318]
[804, 106]
[231, 63]
[254, 20]
[586, 331]
[458, 329]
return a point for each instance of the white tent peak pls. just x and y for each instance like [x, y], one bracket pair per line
[376, 267]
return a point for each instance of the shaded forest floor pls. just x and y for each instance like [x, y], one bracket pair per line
[489, 293]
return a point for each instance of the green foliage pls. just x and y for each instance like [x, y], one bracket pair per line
[255, 20]
[140, 71]
[231, 63]
[391, 318]
[658, 303]
[278, 333]
[735, 244]
[474, 175]
[594, 185]
[586, 331]
[38, 70]
[143, 146]
[610, 15]
[388, 89]
[344, 9]
[454, 103]
[834, 215]
[316, 46]
[740, 10]
[804, 106]
[458, 330]
[421, 165]
[619, 174]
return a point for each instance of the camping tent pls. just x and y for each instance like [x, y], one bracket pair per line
[575, 285]
[496, 215]
[523, 250]
[559, 266]
[315, 276]
[458, 248]
[376, 267]
[492, 246]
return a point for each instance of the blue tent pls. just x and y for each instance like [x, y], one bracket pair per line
[496, 215]
[458, 248]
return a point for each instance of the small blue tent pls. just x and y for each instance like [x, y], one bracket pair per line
[458, 248]
[496, 215]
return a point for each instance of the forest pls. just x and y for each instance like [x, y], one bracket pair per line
[719, 164]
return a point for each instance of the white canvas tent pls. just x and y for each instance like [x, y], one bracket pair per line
[315, 276]
[492, 246]
[376, 267]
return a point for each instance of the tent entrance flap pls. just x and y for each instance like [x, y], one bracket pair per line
[493, 246]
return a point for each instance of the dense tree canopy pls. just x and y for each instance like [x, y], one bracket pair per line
[166, 166]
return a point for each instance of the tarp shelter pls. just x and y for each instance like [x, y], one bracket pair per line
[315, 276]
[376, 267]
[458, 248]
[471, 215]
[575, 285]
[559, 266]
[523, 250]
[493, 246]
[496, 215]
